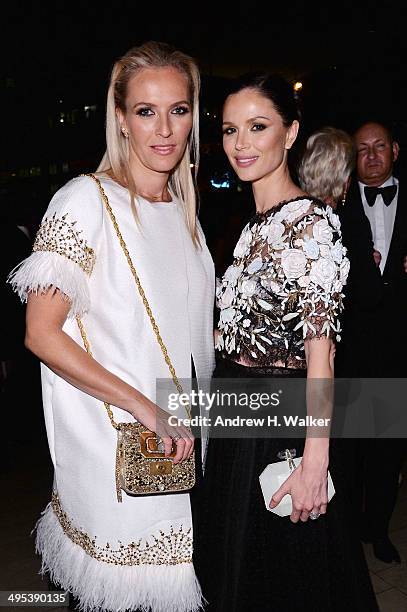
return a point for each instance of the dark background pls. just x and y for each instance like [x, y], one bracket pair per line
[54, 73]
[55, 68]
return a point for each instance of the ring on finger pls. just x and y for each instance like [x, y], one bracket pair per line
[176, 438]
[314, 515]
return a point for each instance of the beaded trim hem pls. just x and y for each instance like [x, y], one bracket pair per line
[170, 548]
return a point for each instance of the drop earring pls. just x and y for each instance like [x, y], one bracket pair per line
[125, 132]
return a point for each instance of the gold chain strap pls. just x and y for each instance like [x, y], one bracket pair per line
[144, 299]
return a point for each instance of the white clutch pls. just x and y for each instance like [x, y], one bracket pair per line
[273, 476]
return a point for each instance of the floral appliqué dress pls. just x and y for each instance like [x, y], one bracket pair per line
[284, 286]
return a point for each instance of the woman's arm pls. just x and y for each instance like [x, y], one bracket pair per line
[46, 315]
[325, 269]
[307, 485]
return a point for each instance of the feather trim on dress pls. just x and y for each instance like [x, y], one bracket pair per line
[110, 587]
[43, 269]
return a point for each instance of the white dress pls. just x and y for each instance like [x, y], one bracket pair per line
[135, 554]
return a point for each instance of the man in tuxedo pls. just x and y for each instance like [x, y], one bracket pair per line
[374, 227]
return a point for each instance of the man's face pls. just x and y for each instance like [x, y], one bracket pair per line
[376, 154]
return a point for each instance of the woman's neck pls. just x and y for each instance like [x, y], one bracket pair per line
[150, 184]
[148, 188]
[273, 189]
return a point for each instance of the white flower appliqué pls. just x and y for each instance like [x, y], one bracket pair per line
[243, 245]
[273, 233]
[227, 315]
[293, 262]
[248, 287]
[337, 252]
[292, 211]
[233, 273]
[304, 281]
[227, 297]
[323, 273]
[271, 285]
[311, 247]
[344, 270]
[322, 232]
[334, 219]
[255, 265]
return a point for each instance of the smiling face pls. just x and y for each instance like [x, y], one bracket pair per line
[157, 118]
[254, 137]
[376, 154]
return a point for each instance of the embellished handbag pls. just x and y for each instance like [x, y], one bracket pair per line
[141, 466]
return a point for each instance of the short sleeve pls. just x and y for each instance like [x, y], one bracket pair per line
[315, 267]
[65, 247]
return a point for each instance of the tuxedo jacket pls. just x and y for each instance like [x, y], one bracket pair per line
[375, 315]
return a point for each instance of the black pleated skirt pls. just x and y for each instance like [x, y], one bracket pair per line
[249, 559]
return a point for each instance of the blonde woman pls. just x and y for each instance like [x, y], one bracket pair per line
[327, 164]
[136, 554]
[325, 170]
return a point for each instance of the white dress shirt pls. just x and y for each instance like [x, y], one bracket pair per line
[381, 218]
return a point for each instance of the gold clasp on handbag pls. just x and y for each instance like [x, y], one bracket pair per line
[151, 447]
[160, 468]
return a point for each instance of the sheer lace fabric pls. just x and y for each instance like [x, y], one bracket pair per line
[284, 285]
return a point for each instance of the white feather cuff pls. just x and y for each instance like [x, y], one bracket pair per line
[44, 269]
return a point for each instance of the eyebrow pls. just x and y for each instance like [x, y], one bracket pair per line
[377, 141]
[155, 105]
[248, 120]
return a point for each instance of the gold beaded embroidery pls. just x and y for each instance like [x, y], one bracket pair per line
[168, 549]
[57, 235]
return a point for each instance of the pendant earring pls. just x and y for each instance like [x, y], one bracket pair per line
[343, 199]
[125, 132]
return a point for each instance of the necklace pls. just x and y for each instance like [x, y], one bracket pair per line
[160, 198]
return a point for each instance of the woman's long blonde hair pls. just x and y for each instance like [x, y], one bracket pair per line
[115, 161]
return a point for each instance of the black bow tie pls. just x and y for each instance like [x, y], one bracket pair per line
[387, 194]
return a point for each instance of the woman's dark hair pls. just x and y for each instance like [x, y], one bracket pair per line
[275, 88]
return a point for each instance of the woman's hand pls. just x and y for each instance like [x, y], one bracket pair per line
[156, 419]
[308, 487]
